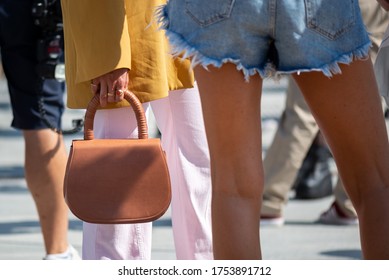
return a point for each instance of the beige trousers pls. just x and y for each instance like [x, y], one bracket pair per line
[297, 130]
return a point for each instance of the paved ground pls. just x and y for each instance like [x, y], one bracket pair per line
[301, 238]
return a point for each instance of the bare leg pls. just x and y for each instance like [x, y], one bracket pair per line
[231, 109]
[348, 110]
[45, 162]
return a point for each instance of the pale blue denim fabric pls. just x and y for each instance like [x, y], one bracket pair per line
[267, 36]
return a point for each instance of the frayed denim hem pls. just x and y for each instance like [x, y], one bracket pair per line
[181, 48]
[333, 68]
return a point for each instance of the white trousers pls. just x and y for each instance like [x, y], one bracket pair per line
[179, 119]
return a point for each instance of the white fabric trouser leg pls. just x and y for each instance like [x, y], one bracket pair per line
[179, 119]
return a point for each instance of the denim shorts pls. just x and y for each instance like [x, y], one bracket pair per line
[267, 36]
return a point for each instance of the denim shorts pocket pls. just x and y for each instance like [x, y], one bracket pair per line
[213, 11]
[331, 19]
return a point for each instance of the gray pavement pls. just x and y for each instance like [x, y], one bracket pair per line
[301, 238]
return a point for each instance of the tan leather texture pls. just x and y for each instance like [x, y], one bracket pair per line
[113, 181]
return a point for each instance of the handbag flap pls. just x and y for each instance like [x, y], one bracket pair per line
[112, 181]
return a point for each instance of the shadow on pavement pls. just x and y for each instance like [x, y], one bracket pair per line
[347, 254]
[10, 133]
[8, 172]
[28, 227]
[162, 223]
[12, 189]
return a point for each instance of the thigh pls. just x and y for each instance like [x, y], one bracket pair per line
[231, 106]
[348, 110]
[232, 118]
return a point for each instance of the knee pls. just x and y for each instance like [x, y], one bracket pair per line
[239, 185]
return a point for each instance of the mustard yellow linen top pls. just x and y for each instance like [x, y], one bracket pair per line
[104, 35]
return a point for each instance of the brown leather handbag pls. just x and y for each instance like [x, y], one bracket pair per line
[114, 181]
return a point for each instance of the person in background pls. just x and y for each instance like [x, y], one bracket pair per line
[295, 133]
[37, 105]
[381, 66]
[384, 4]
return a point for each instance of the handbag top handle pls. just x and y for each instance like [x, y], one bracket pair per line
[136, 105]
